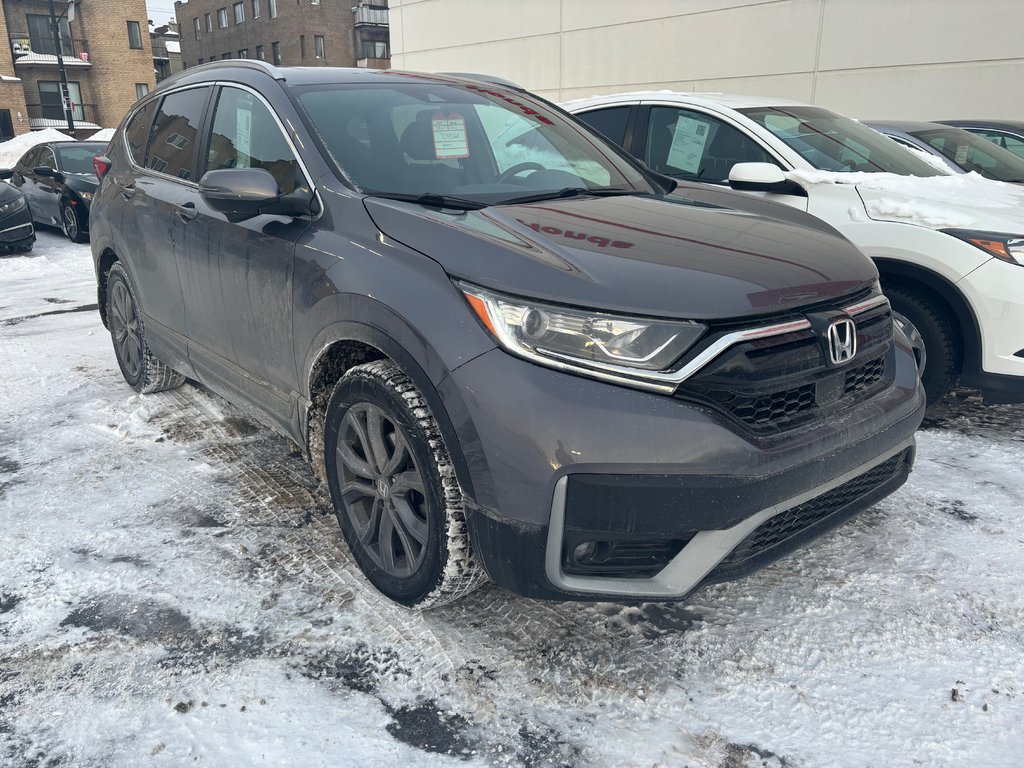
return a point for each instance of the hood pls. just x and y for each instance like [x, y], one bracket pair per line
[964, 201]
[665, 257]
[8, 193]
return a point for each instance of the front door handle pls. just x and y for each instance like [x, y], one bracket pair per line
[187, 211]
[127, 191]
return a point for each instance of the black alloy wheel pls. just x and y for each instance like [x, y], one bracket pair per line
[70, 224]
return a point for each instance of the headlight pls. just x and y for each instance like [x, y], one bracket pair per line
[584, 340]
[14, 205]
[1006, 247]
[85, 195]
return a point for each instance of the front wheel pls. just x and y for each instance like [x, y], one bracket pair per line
[70, 224]
[942, 348]
[394, 489]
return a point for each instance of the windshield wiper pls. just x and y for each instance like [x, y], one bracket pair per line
[433, 200]
[570, 192]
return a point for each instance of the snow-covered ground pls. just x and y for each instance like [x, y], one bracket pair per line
[174, 590]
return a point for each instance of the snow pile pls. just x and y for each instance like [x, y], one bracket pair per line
[103, 135]
[11, 151]
[926, 214]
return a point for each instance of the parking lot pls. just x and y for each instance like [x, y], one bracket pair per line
[174, 588]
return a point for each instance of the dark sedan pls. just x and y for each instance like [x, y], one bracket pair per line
[16, 231]
[58, 181]
[1008, 134]
[961, 150]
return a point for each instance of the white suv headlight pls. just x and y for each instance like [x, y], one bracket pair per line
[1006, 247]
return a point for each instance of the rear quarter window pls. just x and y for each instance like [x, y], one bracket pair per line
[136, 133]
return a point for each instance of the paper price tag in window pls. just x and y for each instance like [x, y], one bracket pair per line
[450, 140]
[962, 151]
[688, 140]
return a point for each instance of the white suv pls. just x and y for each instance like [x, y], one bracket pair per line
[949, 249]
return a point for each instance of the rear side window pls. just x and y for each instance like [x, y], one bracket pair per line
[136, 133]
[172, 148]
[610, 122]
[246, 135]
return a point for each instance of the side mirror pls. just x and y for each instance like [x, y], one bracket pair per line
[762, 177]
[241, 193]
[6, 173]
[43, 170]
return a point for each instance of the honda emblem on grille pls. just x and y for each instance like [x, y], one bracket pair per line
[842, 341]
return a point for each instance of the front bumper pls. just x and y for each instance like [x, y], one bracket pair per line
[996, 291]
[16, 230]
[558, 461]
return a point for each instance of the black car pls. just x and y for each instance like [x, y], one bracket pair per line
[1008, 134]
[59, 182]
[16, 231]
[508, 349]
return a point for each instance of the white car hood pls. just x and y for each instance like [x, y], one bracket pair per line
[965, 201]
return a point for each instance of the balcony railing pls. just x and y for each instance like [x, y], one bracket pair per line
[369, 15]
[30, 50]
[160, 51]
[52, 116]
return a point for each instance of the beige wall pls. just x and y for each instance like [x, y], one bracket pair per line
[911, 59]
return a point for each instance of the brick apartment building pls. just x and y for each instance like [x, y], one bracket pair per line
[328, 33]
[166, 44]
[107, 56]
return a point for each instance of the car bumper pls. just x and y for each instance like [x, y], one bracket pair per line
[667, 489]
[17, 231]
[996, 291]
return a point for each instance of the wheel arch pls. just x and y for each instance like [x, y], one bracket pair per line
[106, 260]
[914, 276]
[349, 344]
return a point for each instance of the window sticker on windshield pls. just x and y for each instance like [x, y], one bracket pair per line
[243, 136]
[450, 140]
[688, 142]
[961, 154]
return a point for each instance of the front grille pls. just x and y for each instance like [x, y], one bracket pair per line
[779, 383]
[789, 523]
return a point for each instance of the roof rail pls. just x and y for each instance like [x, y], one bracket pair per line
[263, 66]
[492, 79]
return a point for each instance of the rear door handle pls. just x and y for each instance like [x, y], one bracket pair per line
[127, 191]
[187, 211]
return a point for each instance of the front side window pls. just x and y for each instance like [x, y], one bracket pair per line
[239, 9]
[222, 17]
[134, 35]
[474, 142]
[973, 153]
[46, 159]
[831, 142]
[173, 143]
[246, 135]
[136, 133]
[691, 145]
[1007, 141]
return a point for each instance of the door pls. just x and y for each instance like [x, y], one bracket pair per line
[23, 179]
[47, 188]
[160, 182]
[237, 275]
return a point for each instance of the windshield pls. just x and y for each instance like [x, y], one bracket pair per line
[78, 159]
[973, 153]
[466, 141]
[830, 142]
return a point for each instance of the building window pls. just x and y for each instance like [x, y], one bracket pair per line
[141, 89]
[275, 52]
[222, 18]
[302, 47]
[272, 5]
[200, 59]
[259, 53]
[243, 53]
[6, 126]
[41, 36]
[318, 44]
[226, 55]
[373, 44]
[197, 28]
[239, 9]
[134, 36]
[314, 2]
[255, 9]
[209, 22]
[50, 102]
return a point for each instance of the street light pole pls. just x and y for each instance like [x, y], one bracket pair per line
[65, 95]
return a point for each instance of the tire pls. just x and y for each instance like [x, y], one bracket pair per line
[394, 489]
[71, 224]
[139, 366]
[941, 338]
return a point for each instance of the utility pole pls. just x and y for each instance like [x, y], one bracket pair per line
[65, 95]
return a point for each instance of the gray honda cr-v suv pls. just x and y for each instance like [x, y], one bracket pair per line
[506, 346]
